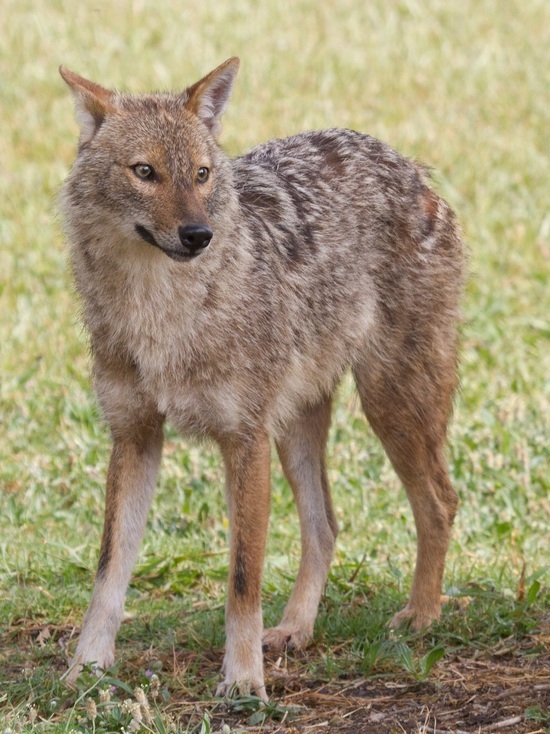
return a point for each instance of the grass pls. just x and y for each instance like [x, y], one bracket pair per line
[461, 86]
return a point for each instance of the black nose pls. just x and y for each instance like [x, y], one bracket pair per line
[195, 237]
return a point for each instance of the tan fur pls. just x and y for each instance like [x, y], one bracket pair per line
[229, 297]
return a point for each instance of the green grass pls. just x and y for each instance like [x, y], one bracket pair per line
[460, 86]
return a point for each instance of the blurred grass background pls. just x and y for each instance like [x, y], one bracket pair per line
[462, 87]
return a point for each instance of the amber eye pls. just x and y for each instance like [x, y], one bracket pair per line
[143, 171]
[202, 174]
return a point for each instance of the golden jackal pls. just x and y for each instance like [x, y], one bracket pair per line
[229, 297]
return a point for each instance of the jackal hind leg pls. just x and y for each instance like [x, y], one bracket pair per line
[302, 455]
[408, 402]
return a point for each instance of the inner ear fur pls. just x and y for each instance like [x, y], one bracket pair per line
[208, 97]
[92, 103]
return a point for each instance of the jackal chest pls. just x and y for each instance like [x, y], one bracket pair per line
[197, 398]
[211, 410]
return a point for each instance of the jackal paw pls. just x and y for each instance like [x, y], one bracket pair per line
[99, 660]
[415, 619]
[241, 678]
[285, 637]
[233, 688]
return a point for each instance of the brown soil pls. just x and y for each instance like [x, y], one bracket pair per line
[465, 695]
[506, 689]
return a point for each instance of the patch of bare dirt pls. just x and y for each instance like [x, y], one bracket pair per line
[495, 694]
[504, 690]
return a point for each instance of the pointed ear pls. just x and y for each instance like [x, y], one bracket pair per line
[92, 103]
[208, 98]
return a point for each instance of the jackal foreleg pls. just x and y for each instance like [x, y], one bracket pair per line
[248, 491]
[130, 484]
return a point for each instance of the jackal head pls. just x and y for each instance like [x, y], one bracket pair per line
[149, 168]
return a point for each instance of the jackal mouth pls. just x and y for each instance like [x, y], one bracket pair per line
[144, 233]
[177, 255]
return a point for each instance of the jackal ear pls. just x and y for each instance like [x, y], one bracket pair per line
[208, 97]
[92, 103]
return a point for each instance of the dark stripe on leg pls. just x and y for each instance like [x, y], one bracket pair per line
[106, 544]
[239, 578]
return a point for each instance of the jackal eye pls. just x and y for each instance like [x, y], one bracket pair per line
[202, 174]
[143, 171]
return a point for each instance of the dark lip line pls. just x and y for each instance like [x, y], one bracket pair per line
[144, 233]
[148, 237]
